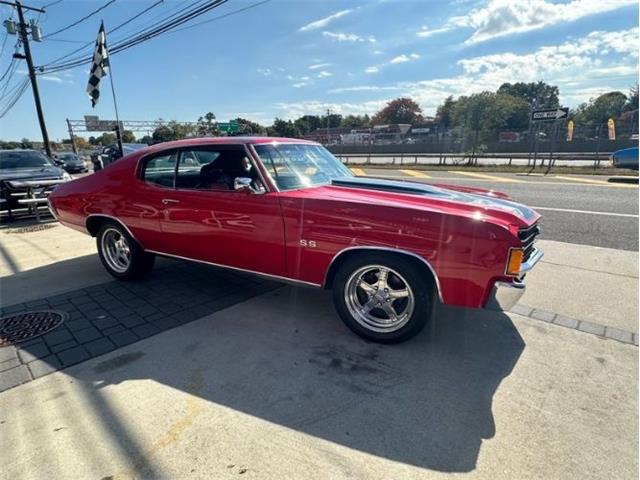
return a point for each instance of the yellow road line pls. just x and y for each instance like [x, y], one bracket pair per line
[415, 173]
[596, 182]
[487, 177]
[359, 172]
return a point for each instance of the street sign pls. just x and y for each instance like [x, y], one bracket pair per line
[549, 114]
[229, 127]
[94, 124]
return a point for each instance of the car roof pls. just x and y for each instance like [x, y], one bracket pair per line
[200, 141]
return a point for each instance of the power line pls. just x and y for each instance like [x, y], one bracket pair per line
[20, 91]
[219, 17]
[144, 36]
[87, 44]
[89, 15]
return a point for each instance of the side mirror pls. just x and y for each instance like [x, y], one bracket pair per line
[243, 184]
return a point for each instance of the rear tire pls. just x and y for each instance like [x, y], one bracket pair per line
[382, 297]
[120, 254]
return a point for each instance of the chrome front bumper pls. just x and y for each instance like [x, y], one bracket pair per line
[504, 295]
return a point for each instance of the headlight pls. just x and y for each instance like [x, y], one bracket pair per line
[66, 176]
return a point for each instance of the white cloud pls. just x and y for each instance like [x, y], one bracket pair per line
[316, 66]
[323, 22]
[324, 74]
[52, 78]
[579, 67]
[404, 58]
[505, 17]
[299, 84]
[348, 37]
[310, 107]
[264, 71]
[426, 32]
[365, 88]
[372, 69]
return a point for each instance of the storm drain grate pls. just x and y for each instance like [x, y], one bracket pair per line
[24, 326]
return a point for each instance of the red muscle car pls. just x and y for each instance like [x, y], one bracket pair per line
[289, 210]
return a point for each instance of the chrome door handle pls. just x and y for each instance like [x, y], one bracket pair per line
[167, 201]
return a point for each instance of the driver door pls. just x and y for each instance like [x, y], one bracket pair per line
[212, 222]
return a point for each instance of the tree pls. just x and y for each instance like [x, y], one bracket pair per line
[308, 123]
[356, 121]
[107, 139]
[247, 127]
[93, 140]
[444, 113]
[128, 136]
[632, 99]
[599, 110]
[172, 131]
[81, 143]
[207, 124]
[283, 128]
[539, 94]
[147, 140]
[26, 143]
[400, 110]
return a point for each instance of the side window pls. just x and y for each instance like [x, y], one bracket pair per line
[196, 168]
[160, 170]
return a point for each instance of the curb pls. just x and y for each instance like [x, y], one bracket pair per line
[602, 331]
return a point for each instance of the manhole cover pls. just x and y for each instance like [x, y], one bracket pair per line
[26, 325]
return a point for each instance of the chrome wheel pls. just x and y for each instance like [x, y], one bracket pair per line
[379, 298]
[116, 250]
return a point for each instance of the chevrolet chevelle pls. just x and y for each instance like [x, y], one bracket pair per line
[289, 210]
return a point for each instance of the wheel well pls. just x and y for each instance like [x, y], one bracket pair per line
[94, 222]
[420, 264]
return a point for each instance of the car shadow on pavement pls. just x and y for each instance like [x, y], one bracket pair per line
[286, 358]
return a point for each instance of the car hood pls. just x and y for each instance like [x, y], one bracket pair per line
[474, 203]
[39, 173]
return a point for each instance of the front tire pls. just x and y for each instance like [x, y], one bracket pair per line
[383, 298]
[120, 254]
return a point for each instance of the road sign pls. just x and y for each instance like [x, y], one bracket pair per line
[229, 127]
[549, 114]
[94, 124]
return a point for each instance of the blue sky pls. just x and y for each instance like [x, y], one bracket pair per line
[288, 58]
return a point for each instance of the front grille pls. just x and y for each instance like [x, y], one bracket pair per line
[527, 236]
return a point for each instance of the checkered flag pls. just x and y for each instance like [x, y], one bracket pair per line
[99, 67]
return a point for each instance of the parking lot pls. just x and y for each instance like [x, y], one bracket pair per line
[201, 373]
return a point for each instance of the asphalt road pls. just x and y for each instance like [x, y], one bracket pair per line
[588, 210]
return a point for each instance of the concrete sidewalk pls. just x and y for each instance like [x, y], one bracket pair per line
[277, 387]
[588, 283]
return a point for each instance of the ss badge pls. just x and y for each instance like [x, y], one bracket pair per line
[308, 243]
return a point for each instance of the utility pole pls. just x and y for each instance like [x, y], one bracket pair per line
[24, 37]
[328, 118]
[71, 137]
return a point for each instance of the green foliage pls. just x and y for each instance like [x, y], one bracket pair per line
[283, 128]
[207, 124]
[400, 110]
[247, 127]
[107, 139]
[26, 143]
[444, 114]
[147, 139]
[128, 136]
[539, 94]
[599, 110]
[172, 131]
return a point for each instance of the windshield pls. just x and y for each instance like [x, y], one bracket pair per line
[67, 156]
[300, 165]
[12, 160]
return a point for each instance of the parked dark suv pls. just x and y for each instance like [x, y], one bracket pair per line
[26, 178]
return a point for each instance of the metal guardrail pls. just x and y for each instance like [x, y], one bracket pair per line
[460, 159]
